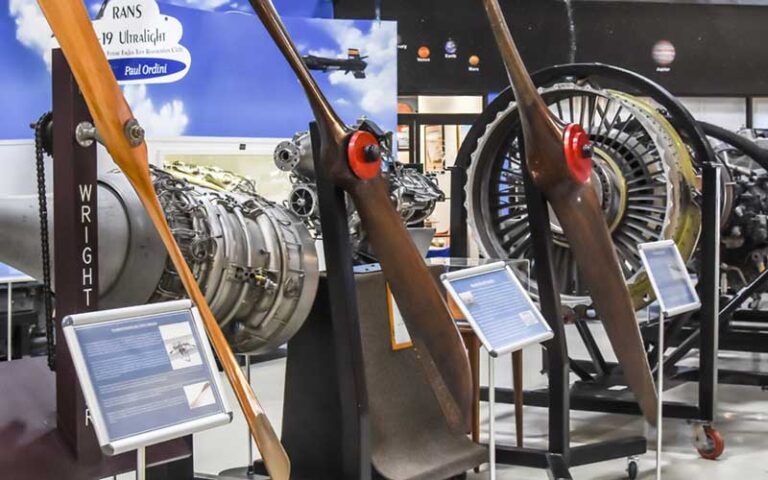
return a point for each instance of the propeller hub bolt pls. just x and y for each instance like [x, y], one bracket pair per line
[578, 152]
[364, 155]
[134, 132]
[372, 153]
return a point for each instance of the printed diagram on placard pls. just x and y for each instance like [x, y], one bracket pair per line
[199, 394]
[180, 345]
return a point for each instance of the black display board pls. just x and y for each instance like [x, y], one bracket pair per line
[718, 46]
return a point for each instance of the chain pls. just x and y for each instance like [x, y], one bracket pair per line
[40, 132]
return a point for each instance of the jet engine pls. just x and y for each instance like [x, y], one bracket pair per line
[414, 194]
[645, 177]
[642, 171]
[255, 262]
[744, 239]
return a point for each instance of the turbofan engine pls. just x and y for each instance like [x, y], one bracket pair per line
[255, 262]
[642, 172]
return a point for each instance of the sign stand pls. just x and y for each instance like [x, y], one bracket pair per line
[248, 432]
[492, 415]
[148, 375]
[502, 316]
[247, 472]
[9, 347]
[676, 295]
[141, 463]
[659, 399]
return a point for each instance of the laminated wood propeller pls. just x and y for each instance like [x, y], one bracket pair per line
[558, 158]
[123, 138]
[351, 160]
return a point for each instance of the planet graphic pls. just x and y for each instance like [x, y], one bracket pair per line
[450, 47]
[474, 60]
[663, 53]
[424, 52]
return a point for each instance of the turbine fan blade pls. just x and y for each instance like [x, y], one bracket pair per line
[124, 141]
[557, 157]
[424, 310]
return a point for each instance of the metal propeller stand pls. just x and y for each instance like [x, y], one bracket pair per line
[332, 406]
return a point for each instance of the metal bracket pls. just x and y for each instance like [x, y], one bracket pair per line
[86, 133]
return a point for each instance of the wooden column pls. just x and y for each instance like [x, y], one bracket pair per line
[75, 243]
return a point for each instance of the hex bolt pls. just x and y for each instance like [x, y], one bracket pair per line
[133, 132]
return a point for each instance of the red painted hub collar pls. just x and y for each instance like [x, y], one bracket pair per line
[363, 155]
[578, 153]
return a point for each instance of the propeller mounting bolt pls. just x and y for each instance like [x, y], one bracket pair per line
[364, 155]
[578, 152]
[133, 132]
[372, 153]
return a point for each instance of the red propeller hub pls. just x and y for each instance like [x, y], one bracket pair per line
[364, 155]
[578, 152]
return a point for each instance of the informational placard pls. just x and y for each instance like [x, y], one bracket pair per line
[9, 274]
[669, 277]
[398, 331]
[147, 373]
[497, 307]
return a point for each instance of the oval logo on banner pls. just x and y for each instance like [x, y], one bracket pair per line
[140, 68]
[141, 44]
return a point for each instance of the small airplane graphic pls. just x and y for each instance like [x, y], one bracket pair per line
[183, 350]
[354, 63]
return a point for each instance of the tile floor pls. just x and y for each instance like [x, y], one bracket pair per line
[743, 421]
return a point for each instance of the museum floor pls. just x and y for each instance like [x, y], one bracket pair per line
[743, 421]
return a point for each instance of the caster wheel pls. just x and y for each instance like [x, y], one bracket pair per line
[710, 445]
[632, 469]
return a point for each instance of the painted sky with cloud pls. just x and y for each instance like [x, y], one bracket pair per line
[239, 85]
[290, 8]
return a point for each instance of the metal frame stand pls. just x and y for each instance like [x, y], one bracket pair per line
[593, 392]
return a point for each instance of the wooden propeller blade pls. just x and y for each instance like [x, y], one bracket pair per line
[557, 172]
[424, 310]
[70, 23]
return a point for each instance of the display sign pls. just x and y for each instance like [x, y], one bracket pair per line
[142, 44]
[9, 274]
[497, 307]
[147, 373]
[669, 277]
[400, 338]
